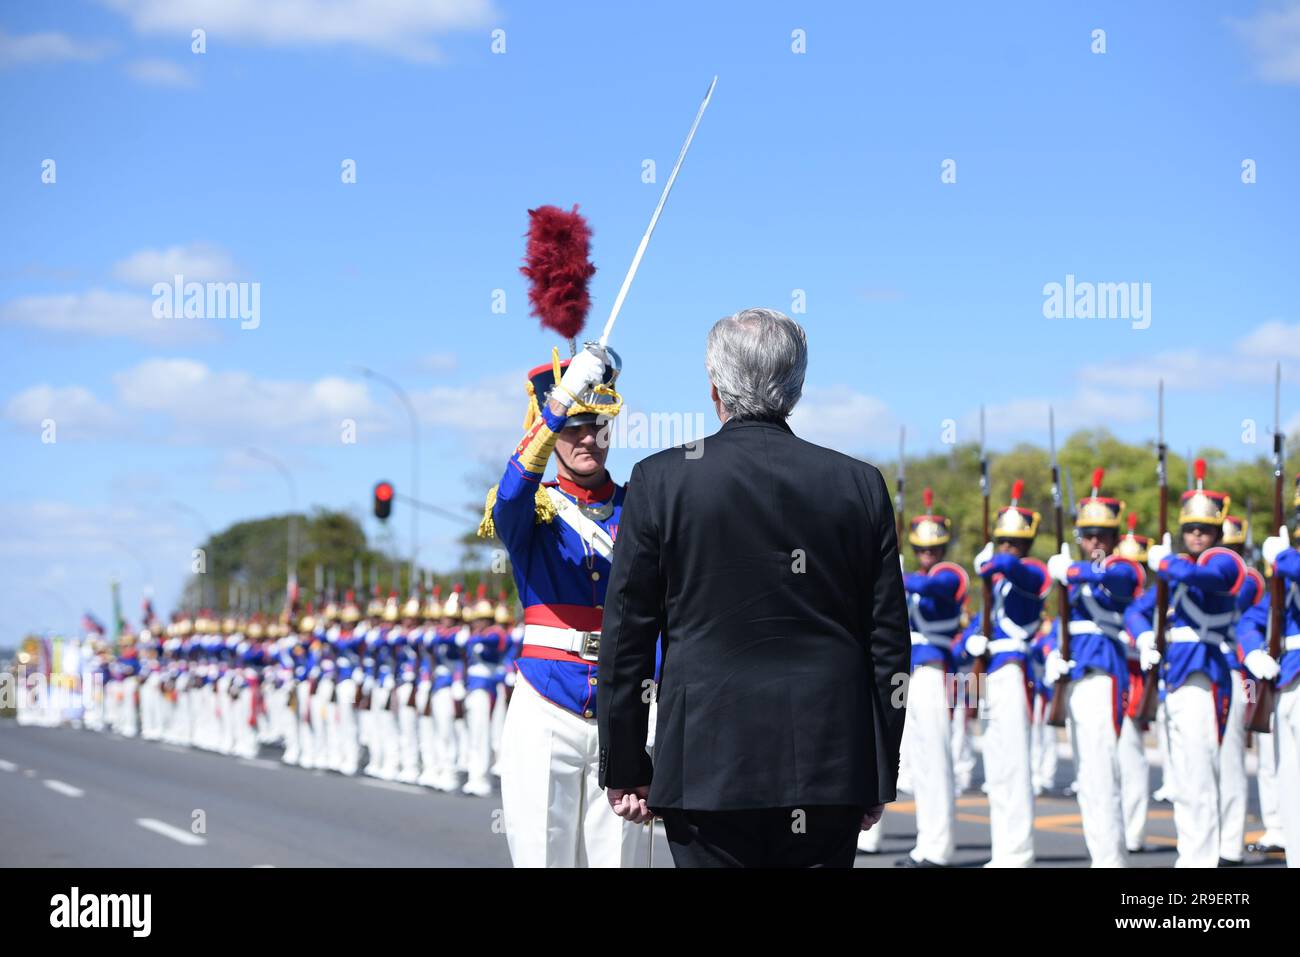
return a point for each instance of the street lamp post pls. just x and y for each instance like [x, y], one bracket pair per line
[415, 456]
[279, 466]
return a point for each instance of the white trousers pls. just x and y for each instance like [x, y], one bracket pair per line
[130, 717]
[444, 738]
[928, 738]
[1091, 707]
[1194, 759]
[1006, 768]
[478, 740]
[555, 812]
[1167, 783]
[1135, 784]
[1042, 738]
[345, 730]
[1234, 786]
[963, 755]
[307, 734]
[499, 726]
[408, 737]
[425, 733]
[1286, 744]
[1270, 805]
[322, 716]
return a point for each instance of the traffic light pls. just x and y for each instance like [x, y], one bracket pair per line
[383, 500]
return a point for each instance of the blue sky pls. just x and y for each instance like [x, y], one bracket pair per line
[816, 171]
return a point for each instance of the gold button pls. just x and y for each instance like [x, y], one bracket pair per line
[586, 714]
[600, 608]
[591, 681]
[595, 576]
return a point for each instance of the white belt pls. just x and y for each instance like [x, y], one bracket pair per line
[1291, 643]
[938, 641]
[1000, 646]
[1180, 634]
[584, 644]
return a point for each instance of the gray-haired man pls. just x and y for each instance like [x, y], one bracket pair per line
[770, 567]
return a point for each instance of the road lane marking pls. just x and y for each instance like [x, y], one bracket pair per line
[260, 763]
[175, 833]
[395, 786]
[8, 766]
[67, 790]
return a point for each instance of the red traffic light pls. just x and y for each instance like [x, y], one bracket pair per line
[383, 500]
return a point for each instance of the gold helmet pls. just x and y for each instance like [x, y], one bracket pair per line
[1132, 545]
[1234, 530]
[504, 611]
[1014, 521]
[1200, 506]
[433, 604]
[481, 608]
[391, 609]
[1097, 510]
[349, 614]
[451, 608]
[412, 607]
[929, 530]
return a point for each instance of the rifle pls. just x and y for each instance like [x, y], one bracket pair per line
[1056, 718]
[986, 620]
[1260, 710]
[898, 495]
[1146, 710]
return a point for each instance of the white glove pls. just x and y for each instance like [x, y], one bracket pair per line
[458, 691]
[1275, 545]
[1158, 553]
[1148, 653]
[585, 370]
[1263, 665]
[1056, 667]
[976, 645]
[984, 557]
[1058, 566]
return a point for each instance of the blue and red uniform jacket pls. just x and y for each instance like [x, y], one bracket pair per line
[1252, 629]
[1099, 596]
[1019, 587]
[934, 607]
[561, 579]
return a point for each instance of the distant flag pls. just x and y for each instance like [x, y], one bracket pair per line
[90, 624]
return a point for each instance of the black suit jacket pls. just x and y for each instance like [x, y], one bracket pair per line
[770, 567]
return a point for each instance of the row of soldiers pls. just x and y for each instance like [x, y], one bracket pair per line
[1214, 660]
[413, 692]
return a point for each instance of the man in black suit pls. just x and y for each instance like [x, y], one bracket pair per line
[770, 568]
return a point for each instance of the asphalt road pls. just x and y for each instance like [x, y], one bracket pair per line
[78, 798]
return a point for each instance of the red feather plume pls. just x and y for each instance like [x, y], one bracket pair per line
[1017, 489]
[557, 266]
[1132, 521]
[1200, 470]
[1097, 475]
[927, 497]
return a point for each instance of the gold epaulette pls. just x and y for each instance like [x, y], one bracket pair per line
[544, 508]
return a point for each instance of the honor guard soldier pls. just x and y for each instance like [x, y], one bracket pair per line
[1234, 785]
[482, 651]
[407, 664]
[1204, 583]
[512, 638]
[1134, 769]
[429, 613]
[936, 596]
[1100, 589]
[560, 539]
[1281, 558]
[1020, 584]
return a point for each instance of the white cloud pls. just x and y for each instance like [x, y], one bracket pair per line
[843, 419]
[196, 261]
[1026, 419]
[402, 28]
[76, 412]
[48, 47]
[103, 314]
[1273, 340]
[1273, 35]
[158, 72]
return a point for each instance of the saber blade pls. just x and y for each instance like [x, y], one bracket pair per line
[663, 198]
